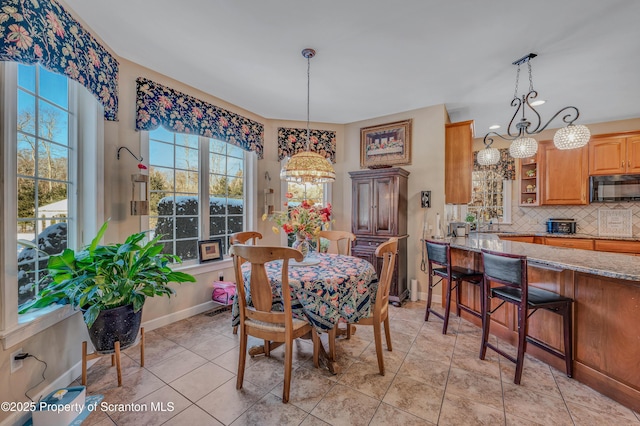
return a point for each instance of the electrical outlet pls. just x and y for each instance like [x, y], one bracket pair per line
[16, 364]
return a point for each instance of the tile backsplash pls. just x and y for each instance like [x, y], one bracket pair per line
[533, 219]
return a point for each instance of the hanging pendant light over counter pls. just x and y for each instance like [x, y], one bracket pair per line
[307, 166]
[523, 146]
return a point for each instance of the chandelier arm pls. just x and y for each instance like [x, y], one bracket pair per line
[517, 103]
[527, 103]
[488, 139]
[568, 118]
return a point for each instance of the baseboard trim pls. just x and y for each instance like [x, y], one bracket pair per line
[179, 315]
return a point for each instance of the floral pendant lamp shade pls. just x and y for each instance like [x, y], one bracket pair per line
[307, 166]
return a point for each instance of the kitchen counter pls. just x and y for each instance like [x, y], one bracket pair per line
[612, 265]
[605, 288]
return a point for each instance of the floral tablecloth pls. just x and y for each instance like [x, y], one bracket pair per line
[338, 287]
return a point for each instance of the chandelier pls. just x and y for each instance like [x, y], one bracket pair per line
[523, 145]
[307, 166]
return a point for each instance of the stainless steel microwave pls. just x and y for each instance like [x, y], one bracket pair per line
[605, 189]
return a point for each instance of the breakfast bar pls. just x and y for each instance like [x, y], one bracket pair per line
[605, 288]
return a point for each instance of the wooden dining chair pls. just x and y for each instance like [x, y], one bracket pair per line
[243, 238]
[260, 320]
[387, 251]
[339, 241]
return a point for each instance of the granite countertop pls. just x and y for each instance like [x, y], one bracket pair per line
[613, 265]
[556, 235]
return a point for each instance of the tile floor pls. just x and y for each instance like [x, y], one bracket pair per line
[190, 367]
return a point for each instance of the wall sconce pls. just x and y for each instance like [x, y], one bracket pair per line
[139, 188]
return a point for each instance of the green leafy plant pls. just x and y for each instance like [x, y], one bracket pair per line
[470, 218]
[100, 277]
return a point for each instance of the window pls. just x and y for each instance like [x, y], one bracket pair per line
[177, 164]
[44, 158]
[491, 197]
[52, 134]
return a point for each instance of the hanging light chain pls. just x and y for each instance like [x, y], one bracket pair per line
[530, 76]
[515, 93]
[308, 96]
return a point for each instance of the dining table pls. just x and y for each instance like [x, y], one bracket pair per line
[325, 288]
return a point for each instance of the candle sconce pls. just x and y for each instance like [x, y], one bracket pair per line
[139, 187]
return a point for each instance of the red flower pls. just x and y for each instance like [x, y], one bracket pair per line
[286, 227]
[288, 195]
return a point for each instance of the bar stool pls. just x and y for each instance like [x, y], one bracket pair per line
[511, 271]
[439, 253]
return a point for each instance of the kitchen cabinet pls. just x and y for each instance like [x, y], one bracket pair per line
[379, 211]
[618, 246]
[615, 155]
[564, 175]
[518, 238]
[528, 181]
[458, 162]
[576, 243]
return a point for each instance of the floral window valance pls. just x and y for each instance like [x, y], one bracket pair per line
[43, 32]
[292, 141]
[160, 105]
[506, 167]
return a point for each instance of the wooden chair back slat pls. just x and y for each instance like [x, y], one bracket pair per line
[339, 241]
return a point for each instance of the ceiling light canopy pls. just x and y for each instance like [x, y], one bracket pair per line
[522, 146]
[307, 166]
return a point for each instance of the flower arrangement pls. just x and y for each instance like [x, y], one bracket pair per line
[306, 218]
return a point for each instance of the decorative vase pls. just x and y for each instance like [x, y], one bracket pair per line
[116, 324]
[301, 244]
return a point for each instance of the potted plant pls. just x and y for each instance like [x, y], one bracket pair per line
[110, 284]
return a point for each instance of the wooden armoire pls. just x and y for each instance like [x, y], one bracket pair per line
[379, 211]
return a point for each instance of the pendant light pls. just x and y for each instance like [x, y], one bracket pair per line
[307, 166]
[523, 145]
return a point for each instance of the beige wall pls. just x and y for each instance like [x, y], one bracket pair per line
[427, 173]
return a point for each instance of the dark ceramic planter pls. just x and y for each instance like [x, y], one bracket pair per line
[117, 324]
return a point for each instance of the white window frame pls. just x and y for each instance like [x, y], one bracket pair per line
[88, 169]
[249, 210]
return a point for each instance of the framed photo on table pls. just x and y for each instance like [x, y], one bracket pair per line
[385, 145]
[210, 250]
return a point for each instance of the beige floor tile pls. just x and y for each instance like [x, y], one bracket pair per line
[134, 386]
[477, 387]
[388, 415]
[582, 415]
[192, 416]
[459, 411]
[519, 421]
[577, 393]
[432, 373]
[313, 421]
[154, 409]
[177, 366]
[415, 397]
[534, 406]
[201, 381]
[214, 346]
[308, 387]
[157, 348]
[430, 378]
[270, 411]
[366, 378]
[345, 406]
[392, 360]
[227, 403]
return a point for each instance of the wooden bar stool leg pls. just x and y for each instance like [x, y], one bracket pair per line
[522, 342]
[113, 360]
[141, 346]
[117, 348]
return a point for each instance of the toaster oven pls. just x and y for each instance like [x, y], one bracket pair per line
[561, 226]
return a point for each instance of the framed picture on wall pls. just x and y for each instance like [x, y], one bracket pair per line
[386, 145]
[210, 250]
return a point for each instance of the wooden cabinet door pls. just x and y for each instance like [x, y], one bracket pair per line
[384, 206]
[633, 155]
[362, 216]
[607, 156]
[565, 175]
[575, 243]
[618, 246]
[458, 162]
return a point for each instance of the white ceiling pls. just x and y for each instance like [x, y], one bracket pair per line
[378, 57]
